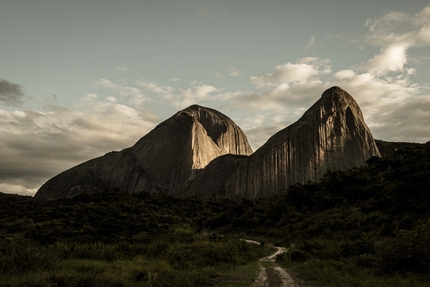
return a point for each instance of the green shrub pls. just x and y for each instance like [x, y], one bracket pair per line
[200, 254]
[24, 255]
[409, 250]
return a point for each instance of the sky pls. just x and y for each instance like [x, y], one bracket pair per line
[81, 78]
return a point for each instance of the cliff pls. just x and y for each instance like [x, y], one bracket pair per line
[160, 162]
[331, 135]
[210, 182]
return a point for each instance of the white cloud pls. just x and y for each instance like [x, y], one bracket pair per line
[197, 94]
[234, 72]
[286, 73]
[154, 87]
[218, 75]
[392, 58]
[89, 98]
[121, 68]
[174, 80]
[125, 111]
[130, 91]
[344, 74]
[312, 43]
[19, 187]
[302, 71]
[396, 33]
[104, 83]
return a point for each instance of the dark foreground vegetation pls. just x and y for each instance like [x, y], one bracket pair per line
[368, 226]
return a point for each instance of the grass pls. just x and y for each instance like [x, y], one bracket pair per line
[86, 272]
[176, 263]
[239, 276]
[335, 273]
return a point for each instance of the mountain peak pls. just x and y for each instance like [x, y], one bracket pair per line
[337, 95]
[335, 90]
[331, 135]
[160, 162]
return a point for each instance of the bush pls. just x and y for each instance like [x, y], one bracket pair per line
[407, 251]
[24, 255]
[199, 254]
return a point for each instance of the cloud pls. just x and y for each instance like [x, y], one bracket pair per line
[387, 101]
[197, 94]
[312, 43]
[89, 97]
[392, 58]
[121, 68]
[406, 121]
[302, 71]
[104, 83]
[154, 87]
[10, 94]
[132, 95]
[218, 75]
[38, 145]
[20, 186]
[174, 80]
[135, 96]
[234, 72]
[396, 33]
[398, 27]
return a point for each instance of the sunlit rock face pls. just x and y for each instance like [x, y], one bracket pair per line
[163, 161]
[331, 135]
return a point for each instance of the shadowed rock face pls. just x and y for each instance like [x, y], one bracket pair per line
[210, 182]
[160, 162]
[331, 135]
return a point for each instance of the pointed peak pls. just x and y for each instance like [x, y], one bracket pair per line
[197, 109]
[335, 92]
[336, 96]
[199, 112]
[194, 107]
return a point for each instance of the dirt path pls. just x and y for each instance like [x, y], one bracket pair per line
[272, 275]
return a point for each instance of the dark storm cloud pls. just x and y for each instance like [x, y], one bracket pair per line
[10, 94]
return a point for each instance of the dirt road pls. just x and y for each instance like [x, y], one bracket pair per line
[272, 275]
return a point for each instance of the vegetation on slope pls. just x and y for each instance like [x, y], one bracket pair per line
[114, 239]
[369, 223]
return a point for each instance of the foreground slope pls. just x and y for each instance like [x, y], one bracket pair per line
[160, 162]
[331, 135]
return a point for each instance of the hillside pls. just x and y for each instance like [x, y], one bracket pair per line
[371, 223]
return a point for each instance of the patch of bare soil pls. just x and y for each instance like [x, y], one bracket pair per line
[275, 276]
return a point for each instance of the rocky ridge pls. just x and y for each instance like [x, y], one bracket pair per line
[202, 153]
[331, 135]
[162, 161]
